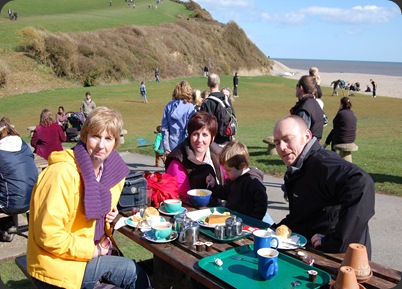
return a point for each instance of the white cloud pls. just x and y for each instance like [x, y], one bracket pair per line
[355, 15]
[219, 4]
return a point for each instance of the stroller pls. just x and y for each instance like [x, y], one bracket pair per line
[76, 121]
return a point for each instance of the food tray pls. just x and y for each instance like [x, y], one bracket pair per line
[244, 274]
[247, 221]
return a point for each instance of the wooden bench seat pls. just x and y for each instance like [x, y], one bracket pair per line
[123, 132]
[21, 262]
[346, 149]
[271, 145]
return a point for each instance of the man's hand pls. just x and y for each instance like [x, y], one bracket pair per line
[210, 180]
[316, 240]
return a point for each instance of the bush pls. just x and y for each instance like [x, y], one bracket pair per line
[3, 75]
[32, 41]
[61, 55]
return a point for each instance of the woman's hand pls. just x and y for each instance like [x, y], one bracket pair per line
[210, 180]
[316, 240]
[112, 215]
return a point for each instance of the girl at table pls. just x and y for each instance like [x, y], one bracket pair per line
[73, 203]
[197, 156]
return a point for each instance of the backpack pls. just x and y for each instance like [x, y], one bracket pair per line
[227, 122]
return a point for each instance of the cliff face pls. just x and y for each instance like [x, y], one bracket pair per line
[132, 53]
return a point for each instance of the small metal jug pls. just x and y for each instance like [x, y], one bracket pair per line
[189, 235]
[236, 225]
[180, 222]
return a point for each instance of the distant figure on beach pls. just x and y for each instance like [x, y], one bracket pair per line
[307, 107]
[235, 85]
[368, 89]
[374, 87]
[344, 125]
[143, 92]
[335, 83]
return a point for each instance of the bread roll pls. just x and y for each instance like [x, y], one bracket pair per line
[150, 212]
[283, 231]
[216, 219]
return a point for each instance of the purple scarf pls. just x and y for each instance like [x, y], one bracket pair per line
[97, 196]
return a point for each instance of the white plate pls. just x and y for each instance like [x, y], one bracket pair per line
[143, 227]
[163, 211]
[294, 239]
[151, 237]
[202, 214]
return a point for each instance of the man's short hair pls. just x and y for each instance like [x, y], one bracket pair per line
[234, 154]
[213, 80]
[308, 83]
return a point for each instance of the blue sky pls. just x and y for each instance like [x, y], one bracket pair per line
[367, 30]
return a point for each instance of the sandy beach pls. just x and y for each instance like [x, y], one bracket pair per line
[388, 86]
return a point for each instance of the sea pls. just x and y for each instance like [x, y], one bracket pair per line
[345, 66]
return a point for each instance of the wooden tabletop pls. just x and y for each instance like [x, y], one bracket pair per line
[185, 259]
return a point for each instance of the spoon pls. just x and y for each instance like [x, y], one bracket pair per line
[295, 284]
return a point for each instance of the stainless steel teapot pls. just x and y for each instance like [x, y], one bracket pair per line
[190, 233]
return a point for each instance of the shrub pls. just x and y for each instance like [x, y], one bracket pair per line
[61, 55]
[3, 75]
[32, 41]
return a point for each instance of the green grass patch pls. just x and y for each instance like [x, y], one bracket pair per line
[262, 101]
[82, 16]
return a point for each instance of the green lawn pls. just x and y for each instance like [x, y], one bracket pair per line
[262, 101]
[80, 16]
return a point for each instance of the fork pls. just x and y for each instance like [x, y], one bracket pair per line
[244, 259]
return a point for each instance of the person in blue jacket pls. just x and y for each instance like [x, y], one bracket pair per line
[18, 174]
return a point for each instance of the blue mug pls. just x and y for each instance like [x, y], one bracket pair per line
[267, 263]
[262, 239]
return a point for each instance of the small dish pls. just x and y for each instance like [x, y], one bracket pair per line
[151, 237]
[297, 239]
[143, 227]
[163, 211]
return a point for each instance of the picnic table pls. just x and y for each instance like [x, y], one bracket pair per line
[184, 259]
[40, 162]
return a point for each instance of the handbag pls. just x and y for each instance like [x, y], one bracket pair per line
[134, 193]
[163, 186]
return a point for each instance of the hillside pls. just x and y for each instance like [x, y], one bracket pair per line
[48, 59]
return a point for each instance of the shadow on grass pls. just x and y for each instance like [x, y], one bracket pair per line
[382, 178]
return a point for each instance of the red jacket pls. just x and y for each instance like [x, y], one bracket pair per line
[46, 140]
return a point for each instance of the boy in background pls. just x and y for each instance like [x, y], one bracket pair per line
[243, 190]
[158, 146]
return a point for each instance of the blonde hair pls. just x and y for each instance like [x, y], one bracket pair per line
[6, 128]
[235, 155]
[100, 119]
[197, 100]
[183, 91]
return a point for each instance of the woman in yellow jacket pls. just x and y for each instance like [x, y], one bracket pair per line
[71, 202]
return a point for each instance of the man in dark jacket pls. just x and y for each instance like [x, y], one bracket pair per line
[330, 200]
[307, 107]
[213, 107]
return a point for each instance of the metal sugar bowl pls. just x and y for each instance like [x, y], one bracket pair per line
[234, 226]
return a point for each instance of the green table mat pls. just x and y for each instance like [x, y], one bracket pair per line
[244, 274]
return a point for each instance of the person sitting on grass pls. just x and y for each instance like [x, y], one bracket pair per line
[244, 189]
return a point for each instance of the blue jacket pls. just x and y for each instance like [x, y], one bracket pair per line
[18, 174]
[174, 123]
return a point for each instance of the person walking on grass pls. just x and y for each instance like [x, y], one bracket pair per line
[235, 85]
[143, 91]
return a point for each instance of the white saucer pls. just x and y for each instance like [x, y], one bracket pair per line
[163, 211]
